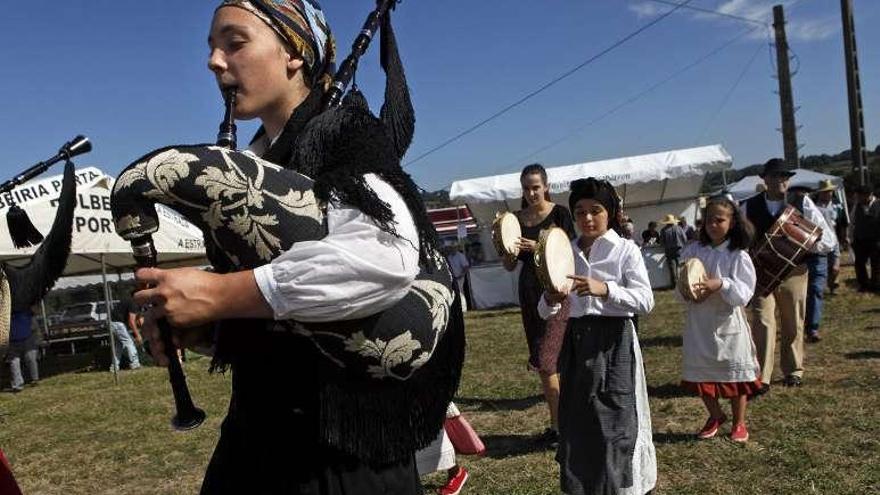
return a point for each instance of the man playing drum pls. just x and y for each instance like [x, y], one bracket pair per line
[791, 295]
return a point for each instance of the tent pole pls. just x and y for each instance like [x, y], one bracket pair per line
[109, 325]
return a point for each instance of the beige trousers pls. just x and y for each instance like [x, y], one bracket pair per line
[791, 299]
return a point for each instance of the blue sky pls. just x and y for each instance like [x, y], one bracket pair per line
[132, 76]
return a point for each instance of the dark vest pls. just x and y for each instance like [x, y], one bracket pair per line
[759, 215]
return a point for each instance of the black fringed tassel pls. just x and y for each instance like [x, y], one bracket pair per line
[397, 111]
[356, 99]
[21, 229]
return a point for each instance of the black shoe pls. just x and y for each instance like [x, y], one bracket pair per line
[765, 387]
[549, 438]
[812, 338]
[792, 381]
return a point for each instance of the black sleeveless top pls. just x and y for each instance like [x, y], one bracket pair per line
[559, 216]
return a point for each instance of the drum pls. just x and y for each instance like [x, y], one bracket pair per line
[691, 272]
[785, 245]
[554, 260]
[505, 233]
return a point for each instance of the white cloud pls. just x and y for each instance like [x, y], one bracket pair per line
[644, 9]
[798, 29]
[813, 29]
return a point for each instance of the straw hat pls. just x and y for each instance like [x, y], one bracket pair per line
[826, 185]
[669, 219]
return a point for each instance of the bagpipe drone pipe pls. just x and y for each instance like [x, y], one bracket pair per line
[23, 286]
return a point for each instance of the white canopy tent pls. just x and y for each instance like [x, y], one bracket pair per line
[94, 235]
[651, 186]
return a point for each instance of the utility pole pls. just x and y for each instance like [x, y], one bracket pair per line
[854, 91]
[786, 100]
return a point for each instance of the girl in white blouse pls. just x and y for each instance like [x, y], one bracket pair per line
[719, 355]
[605, 444]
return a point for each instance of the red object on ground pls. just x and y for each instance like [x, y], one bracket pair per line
[463, 437]
[8, 486]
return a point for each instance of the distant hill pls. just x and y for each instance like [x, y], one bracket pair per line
[436, 199]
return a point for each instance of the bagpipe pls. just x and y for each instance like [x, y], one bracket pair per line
[251, 211]
[22, 286]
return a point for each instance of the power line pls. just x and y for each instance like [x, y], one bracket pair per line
[638, 96]
[549, 84]
[729, 93]
[714, 12]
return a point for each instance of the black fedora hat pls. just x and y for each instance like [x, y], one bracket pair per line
[776, 166]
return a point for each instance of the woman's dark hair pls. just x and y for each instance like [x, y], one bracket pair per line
[601, 191]
[535, 168]
[741, 233]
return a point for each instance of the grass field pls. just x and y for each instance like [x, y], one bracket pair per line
[77, 432]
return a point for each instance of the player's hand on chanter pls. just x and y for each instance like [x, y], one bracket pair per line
[184, 296]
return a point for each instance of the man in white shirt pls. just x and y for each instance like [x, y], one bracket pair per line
[791, 295]
[836, 218]
[460, 266]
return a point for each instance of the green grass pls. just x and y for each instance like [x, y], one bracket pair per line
[79, 433]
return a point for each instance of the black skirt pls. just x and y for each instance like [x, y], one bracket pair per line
[269, 444]
[598, 423]
[282, 463]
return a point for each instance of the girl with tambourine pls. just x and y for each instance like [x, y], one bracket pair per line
[539, 213]
[605, 443]
[719, 354]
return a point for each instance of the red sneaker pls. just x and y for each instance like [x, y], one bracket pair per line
[455, 483]
[711, 427]
[739, 433]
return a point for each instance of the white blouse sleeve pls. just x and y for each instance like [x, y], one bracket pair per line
[355, 271]
[546, 311]
[634, 294]
[828, 240]
[738, 288]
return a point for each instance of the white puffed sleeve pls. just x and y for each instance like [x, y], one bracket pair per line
[355, 271]
[634, 294]
[738, 287]
[828, 240]
[547, 311]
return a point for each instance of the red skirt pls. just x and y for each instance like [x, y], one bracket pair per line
[725, 390]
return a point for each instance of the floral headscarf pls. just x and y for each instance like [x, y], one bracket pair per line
[301, 24]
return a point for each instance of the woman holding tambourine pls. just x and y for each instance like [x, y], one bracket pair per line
[539, 213]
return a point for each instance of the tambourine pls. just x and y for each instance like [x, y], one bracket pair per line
[505, 233]
[554, 260]
[691, 272]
